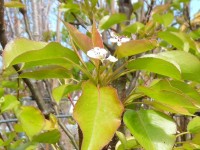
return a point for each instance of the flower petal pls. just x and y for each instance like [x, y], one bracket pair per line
[114, 40]
[112, 58]
[91, 53]
[125, 39]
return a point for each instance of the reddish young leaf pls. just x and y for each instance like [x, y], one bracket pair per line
[96, 37]
[82, 40]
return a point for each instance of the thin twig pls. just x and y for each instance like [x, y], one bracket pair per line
[16, 120]
[148, 13]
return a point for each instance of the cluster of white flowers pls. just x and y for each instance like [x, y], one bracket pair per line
[101, 54]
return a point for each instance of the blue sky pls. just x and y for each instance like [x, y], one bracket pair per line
[195, 7]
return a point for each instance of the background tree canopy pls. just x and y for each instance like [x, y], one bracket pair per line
[99, 75]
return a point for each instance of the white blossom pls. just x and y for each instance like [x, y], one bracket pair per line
[97, 53]
[118, 39]
[101, 54]
[112, 59]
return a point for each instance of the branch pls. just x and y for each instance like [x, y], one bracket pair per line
[63, 127]
[148, 13]
[16, 120]
[23, 11]
[3, 38]
[133, 83]
[68, 133]
[186, 13]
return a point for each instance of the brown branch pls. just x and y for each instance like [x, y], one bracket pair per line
[23, 11]
[148, 13]
[186, 13]
[3, 38]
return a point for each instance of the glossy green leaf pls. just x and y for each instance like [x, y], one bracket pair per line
[51, 137]
[165, 19]
[31, 119]
[8, 102]
[167, 92]
[179, 40]
[134, 28]
[174, 39]
[135, 47]
[110, 20]
[131, 143]
[194, 125]
[46, 73]
[126, 143]
[63, 90]
[62, 62]
[98, 108]
[153, 63]
[189, 64]
[14, 4]
[51, 51]
[19, 46]
[163, 107]
[82, 40]
[153, 130]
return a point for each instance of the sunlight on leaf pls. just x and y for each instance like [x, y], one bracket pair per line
[98, 113]
[153, 130]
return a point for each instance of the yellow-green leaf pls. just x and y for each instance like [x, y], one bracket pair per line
[98, 113]
[31, 119]
[18, 47]
[135, 47]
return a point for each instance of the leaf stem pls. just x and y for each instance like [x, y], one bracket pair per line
[183, 133]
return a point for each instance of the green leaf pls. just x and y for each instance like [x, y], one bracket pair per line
[46, 73]
[51, 137]
[194, 125]
[51, 52]
[63, 90]
[107, 21]
[135, 47]
[62, 62]
[8, 102]
[131, 143]
[1, 92]
[170, 93]
[31, 119]
[9, 84]
[165, 19]
[82, 40]
[14, 4]
[134, 28]
[189, 64]
[179, 40]
[153, 63]
[19, 46]
[126, 143]
[163, 107]
[153, 130]
[98, 108]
